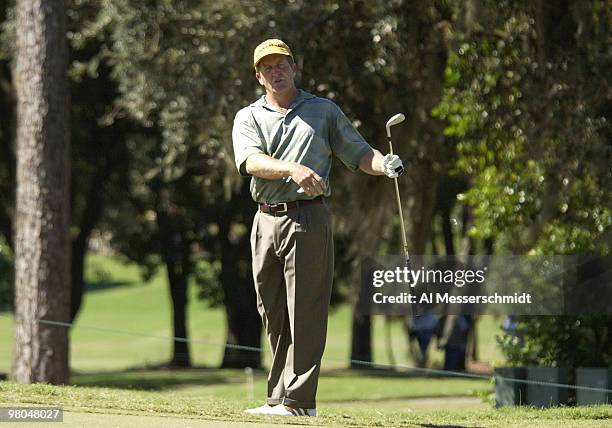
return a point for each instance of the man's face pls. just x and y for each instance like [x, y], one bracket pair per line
[276, 74]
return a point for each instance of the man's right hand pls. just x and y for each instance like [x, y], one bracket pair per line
[308, 180]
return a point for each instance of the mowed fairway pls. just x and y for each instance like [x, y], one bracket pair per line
[89, 406]
[121, 336]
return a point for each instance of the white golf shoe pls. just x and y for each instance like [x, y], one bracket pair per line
[291, 411]
[261, 410]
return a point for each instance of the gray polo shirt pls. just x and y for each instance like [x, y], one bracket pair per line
[311, 132]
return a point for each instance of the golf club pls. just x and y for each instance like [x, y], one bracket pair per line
[396, 119]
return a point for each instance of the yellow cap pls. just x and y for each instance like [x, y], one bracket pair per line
[269, 47]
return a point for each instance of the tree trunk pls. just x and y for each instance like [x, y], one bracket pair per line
[472, 10]
[7, 153]
[361, 326]
[42, 240]
[94, 207]
[180, 350]
[447, 231]
[361, 342]
[175, 253]
[243, 320]
[79, 248]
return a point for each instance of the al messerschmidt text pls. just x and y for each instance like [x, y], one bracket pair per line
[449, 298]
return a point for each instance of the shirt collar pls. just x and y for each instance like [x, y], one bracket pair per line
[302, 96]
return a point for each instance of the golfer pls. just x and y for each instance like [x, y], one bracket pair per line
[286, 141]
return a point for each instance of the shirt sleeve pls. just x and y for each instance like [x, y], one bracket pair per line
[245, 139]
[347, 144]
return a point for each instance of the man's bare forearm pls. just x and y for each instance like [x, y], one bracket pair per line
[371, 163]
[264, 166]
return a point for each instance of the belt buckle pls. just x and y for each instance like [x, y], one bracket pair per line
[280, 204]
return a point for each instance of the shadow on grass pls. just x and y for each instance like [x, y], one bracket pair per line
[385, 372]
[156, 378]
[432, 396]
[105, 285]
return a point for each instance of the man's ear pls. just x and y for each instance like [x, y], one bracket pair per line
[258, 77]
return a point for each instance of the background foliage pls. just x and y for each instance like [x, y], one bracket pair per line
[507, 134]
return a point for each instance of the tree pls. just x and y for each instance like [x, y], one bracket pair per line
[174, 73]
[99, 159]
[42, 244]
[7, 175]
[244, 323]
[99, 156]
[527, 99]
[7, 127]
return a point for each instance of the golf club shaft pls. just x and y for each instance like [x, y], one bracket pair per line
[401, 215]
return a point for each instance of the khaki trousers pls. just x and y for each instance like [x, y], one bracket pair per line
[293, 259]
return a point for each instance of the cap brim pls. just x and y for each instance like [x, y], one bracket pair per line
[271, 51]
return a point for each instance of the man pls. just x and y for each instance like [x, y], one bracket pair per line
[285, 141]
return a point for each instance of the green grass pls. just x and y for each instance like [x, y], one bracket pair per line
[174, 404]
[335, 386]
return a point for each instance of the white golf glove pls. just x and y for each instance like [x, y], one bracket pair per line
[392, 166]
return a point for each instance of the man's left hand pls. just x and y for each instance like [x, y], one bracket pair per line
[392, 166]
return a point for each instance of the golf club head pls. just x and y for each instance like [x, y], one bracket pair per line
[398, 118]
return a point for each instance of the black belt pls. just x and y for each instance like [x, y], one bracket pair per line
[283, 207]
